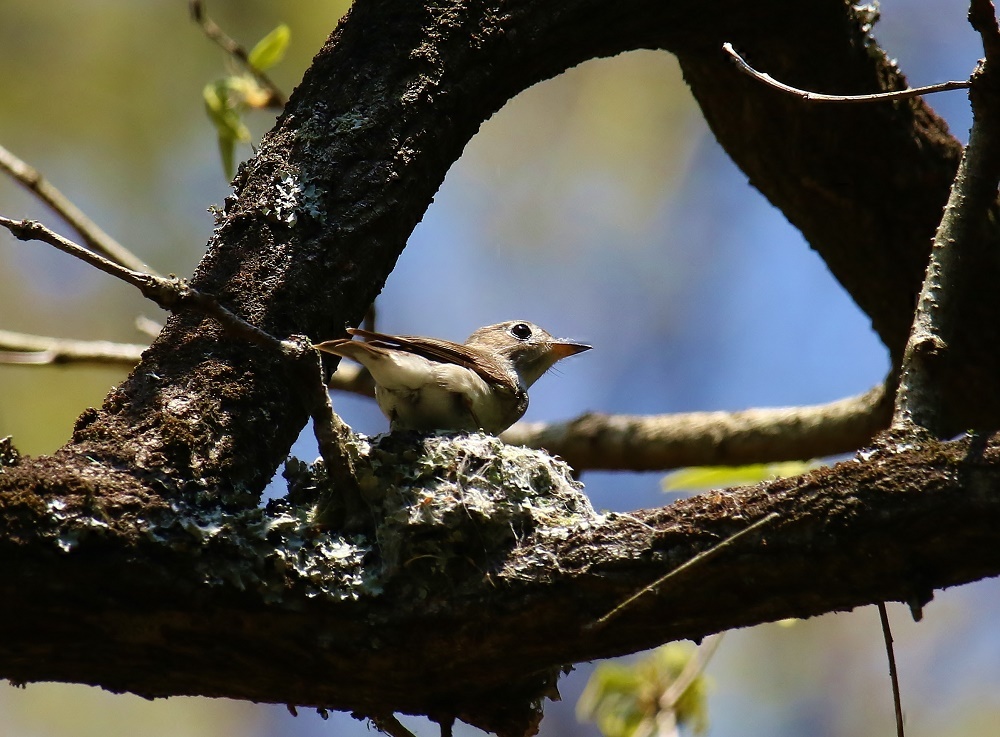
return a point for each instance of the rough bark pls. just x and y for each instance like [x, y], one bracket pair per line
[109, 587]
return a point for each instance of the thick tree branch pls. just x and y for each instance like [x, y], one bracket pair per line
[298, 616]
[945, 300]
[660, 442]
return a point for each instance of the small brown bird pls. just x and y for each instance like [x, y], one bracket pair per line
[432, 384]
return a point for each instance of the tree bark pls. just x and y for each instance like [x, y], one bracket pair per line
[106, 588]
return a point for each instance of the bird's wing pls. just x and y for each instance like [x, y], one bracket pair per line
[442, 351]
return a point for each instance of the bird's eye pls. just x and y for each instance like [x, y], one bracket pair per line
[521, 331]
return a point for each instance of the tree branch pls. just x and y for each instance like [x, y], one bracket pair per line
[955, 260]
[648, 443]
[23, 348]
[820, 97]
[171, 294]
[91, 233]
[39, 349]
[140, 512]
[462, 575]
[324, 209]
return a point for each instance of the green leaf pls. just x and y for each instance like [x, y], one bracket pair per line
[227, 152]
[713, 477]
[625, 700]
[270, 49]
[224, 104]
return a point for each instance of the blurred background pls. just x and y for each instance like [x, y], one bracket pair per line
[597, 205]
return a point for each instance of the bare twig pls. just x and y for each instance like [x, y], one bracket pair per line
[887, 635]
[334, 437]
[91, 234]
[171, 294]
[702, 557]
[692, 669]
[919, 402]
[277, 98]
[661, 442]
[41, 350]
[820, 97]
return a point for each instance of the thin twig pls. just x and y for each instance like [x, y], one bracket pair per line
[91, 234]
[820, 97]
[171, 294]
[887, 634]
[41, 350]
[333, 436]
[692, 669]
[277, 98]
[700, 558]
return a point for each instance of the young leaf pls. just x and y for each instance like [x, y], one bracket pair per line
[223, 101]
[270, 49]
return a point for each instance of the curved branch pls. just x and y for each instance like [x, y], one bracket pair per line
[320, 217]
[871, 226]
[653, 443]
[820, 97]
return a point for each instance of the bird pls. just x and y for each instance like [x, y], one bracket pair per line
[429, 384]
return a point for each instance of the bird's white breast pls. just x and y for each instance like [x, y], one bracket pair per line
[418, 394]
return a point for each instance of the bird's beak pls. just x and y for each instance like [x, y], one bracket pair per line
[561, 349]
